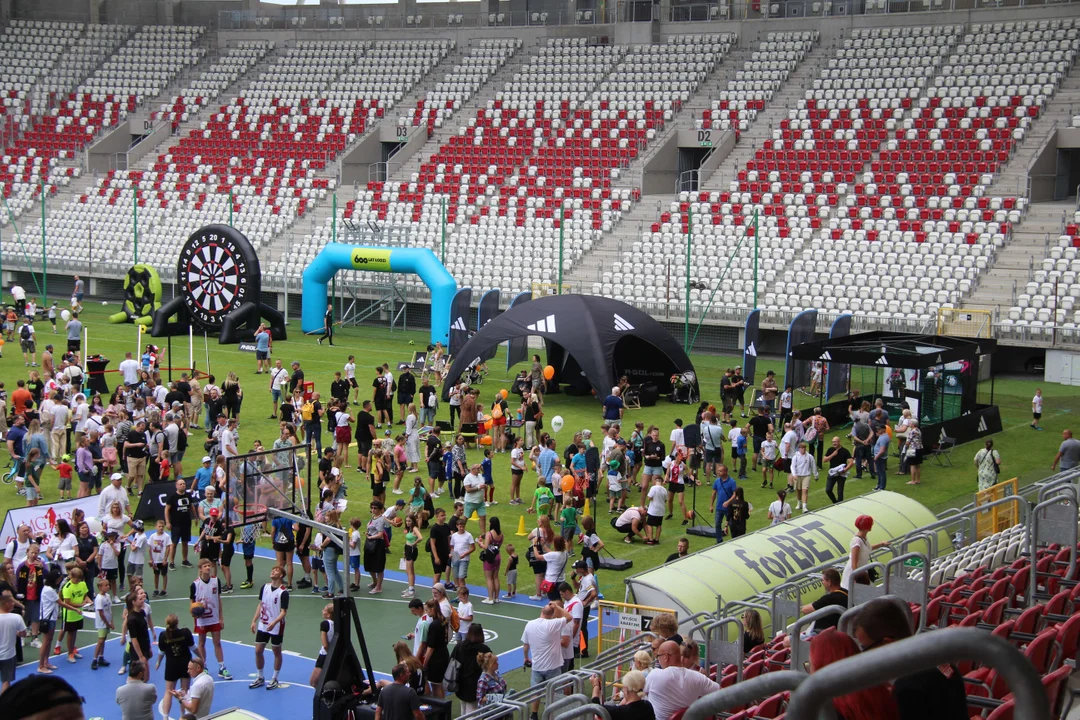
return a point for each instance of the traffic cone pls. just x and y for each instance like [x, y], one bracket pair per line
[473, 517]
[585, 511]
[521, 532]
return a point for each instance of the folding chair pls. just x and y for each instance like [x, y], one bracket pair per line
[943, 450]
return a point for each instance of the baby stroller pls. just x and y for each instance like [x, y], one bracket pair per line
[684, 388]
[476, 372]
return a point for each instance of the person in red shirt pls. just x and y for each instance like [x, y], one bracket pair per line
[64, 485]
[21, 399]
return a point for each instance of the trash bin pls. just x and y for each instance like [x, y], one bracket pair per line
[95, 374]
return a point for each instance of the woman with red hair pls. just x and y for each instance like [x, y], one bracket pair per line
[874, 703]
[860, 553]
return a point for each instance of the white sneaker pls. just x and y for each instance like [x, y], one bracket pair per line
[36, 643]
[487, 504]
[494, 502]
[399, 492]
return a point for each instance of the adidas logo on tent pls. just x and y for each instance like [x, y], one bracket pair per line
[982, 425]
[621, 324]
[825, 356]
[459, 324]
[751, 351]
[546, 325]
[882, 361]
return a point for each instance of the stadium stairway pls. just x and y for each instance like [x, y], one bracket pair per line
[441, 136]
[610, 245]
[788, 97]
[1027, 248]
[700, 101]
[1012, 270]
[1058, 111]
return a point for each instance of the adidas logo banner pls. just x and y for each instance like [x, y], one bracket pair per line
[882, 361]
[825, 356]
[751, 350]
[621, 324]
[459, 324]
[545, 325]
[982, 425]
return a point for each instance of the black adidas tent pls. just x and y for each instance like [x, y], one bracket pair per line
[591, 342]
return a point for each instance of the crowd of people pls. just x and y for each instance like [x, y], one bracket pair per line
[140, 434]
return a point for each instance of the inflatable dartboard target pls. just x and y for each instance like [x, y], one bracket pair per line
[218, 271]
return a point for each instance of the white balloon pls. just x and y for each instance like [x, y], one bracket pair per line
[556, 423]
[65, 315]
[94, 524]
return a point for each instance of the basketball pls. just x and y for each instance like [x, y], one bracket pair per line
[197, 609]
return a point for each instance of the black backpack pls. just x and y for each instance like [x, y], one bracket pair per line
[24, 332]
[181, 440]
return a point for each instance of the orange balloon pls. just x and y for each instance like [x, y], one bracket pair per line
[505, 393]
[567, 483]
[549, 372]
[487, 424]
[889, 431]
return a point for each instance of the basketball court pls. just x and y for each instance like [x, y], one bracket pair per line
[386, 618]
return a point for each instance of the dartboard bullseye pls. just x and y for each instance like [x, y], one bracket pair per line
[218, 271]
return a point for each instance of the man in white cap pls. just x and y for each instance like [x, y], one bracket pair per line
[204, 475]
[114, 492]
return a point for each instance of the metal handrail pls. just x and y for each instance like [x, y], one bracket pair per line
[586, 711]
[812, 698]
[743, 693]
[1033, 538]
[795, 631]
[570, 701]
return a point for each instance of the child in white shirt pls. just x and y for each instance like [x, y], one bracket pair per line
[769, 451]
[616, 485]
[102, 622]
[356, 549]
[136, 553]
[109, 561]
[159, 543]
[465, 613]
[317, 564]
[658, 497]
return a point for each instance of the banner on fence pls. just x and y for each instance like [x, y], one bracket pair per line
[42, 518]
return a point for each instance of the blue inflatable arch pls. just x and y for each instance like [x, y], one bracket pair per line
[419, 261]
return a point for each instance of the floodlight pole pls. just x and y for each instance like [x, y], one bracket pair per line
[442, 256]
[231, 207]
[756, 221]
[135, 221]
[44, 255]
[689, 248]
[562, 221]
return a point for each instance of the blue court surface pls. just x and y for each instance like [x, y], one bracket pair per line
[294, 698]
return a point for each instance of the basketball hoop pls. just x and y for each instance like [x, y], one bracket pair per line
[251, 513]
